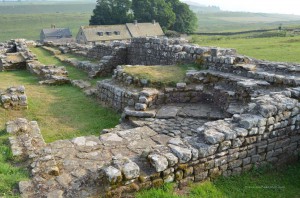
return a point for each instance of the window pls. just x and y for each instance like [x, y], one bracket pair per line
[117, 32]
[100, 33]
[108, 33]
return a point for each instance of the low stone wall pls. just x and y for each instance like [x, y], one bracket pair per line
[125, 161]
[109, 63]
[118, 96]
[14, 98]
[101, 50]
[115, 96]
[49, 75]
[164, 51]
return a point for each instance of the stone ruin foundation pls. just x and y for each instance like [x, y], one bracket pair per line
[14, 98]
[235, 114]
[15, 55]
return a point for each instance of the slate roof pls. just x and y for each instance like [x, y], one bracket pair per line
[109, 32]
[57, 32]
[144, 29]
[121, 32]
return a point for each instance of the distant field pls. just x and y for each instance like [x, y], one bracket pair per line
[46, 7]
[26, 19]
[283, 49]
[29, 25]
[241, 21]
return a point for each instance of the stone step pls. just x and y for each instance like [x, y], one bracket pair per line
[211, 76]
[131, 112]
[275, 74]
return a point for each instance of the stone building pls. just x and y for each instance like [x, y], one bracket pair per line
[57, 35]
[105, 33]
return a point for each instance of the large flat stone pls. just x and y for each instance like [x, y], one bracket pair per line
[204, 111]
[137, 133]
[167, 112]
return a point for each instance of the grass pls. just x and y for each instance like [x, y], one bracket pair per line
[9, 175]
[62, 112]
[243, 21]
[159, 76]
[47, 58]
[29, 26]
[263, 182]
[284, 49]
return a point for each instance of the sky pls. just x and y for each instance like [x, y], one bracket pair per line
[265, 6]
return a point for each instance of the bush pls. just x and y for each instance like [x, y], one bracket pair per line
[172, 34]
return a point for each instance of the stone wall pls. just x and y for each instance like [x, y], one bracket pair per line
[101, 50]
[125, 161]
[14, 98]
[164, 51]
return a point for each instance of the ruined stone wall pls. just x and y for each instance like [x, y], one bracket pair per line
[100, 50]
[164, 51]
[266, 134]
[14, 98]
[118, 97]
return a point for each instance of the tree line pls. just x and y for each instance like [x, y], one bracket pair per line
[171, 14]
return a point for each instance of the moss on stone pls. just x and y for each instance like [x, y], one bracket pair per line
[157, 183]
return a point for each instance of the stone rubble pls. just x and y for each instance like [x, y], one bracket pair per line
[14, 98]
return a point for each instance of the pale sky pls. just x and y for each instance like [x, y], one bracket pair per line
[266, 6]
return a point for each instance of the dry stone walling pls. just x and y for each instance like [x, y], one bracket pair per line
[15, 55]
[235, 114]
[14, 98]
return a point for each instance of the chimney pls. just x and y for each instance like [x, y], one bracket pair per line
[135, 22]
[153, 22]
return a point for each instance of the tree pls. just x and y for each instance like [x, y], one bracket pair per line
[186, 20]
[109, 12]
[159, 10]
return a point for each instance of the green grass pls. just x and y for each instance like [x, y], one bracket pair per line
[243, 21]
[284, 49]
[47, 58]
[62, 112]
[9, 175]
[263, 182]
[29, 26]
[159, 76]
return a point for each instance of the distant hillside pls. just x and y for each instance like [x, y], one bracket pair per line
[196, 7]
[242, 21]
[46, 7]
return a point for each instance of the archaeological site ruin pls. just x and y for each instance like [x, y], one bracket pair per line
[233, 114]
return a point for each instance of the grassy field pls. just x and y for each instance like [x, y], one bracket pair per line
[263, 182]
[242, 21]
[29, 25]
[25, 20]
[284, 49]
[159, 76]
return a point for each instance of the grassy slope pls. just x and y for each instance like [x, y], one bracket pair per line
[284, 49]
[241, 21]
[258, 183]
[25, 20]
[29, 25]
[159, 75]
